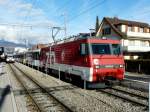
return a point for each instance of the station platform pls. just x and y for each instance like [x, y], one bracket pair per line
[7, 99]
[137, 76]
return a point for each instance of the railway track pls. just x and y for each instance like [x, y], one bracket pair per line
[140, 78]
[85, 95]
[119, 88]
[41, 97]
[127, 96]
[119, 93]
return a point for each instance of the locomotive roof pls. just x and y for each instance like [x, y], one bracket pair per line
[76, 38]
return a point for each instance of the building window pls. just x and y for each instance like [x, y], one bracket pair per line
[126, 42]
[147, 43]
[141, 30]
[137, 42]
[106, 31]
[129, 28]
[144, 43]
[131, 42]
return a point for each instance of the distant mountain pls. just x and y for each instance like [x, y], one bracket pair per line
[5, 43]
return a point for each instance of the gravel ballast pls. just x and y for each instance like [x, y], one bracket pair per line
[79, 99]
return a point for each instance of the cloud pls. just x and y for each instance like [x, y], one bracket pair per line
[32, 35]
[140, 11]
[15, 12]
[7, 33]
[3, 2]
[46, 13]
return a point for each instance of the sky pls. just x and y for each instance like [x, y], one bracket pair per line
[32, 20]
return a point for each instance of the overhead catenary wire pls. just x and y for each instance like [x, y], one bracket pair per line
[65, 21]
[86, 10]
[24, 24]
[26, 17]
[30, 10]
[62, 7]
[49, 27]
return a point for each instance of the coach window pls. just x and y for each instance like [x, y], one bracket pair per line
[83, 49]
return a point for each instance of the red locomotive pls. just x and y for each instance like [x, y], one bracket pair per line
[92, 59]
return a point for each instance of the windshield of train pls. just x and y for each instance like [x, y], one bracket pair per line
[109, 49]
[101, 49]
[116, 50]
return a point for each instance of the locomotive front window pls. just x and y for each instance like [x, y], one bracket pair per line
[101, 49]
[116, 49]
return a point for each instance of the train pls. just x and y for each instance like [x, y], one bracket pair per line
[2, 55]
[92, 60]
[6, 54]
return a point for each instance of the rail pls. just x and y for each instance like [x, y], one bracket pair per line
[125, 96]
[28, 92]
[44, 90]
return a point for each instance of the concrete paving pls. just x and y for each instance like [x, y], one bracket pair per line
[6, 98]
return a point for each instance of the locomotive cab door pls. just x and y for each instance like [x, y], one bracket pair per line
[83, 49]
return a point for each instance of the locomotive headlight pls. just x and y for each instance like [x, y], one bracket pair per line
[96, 61]
[121, 66]
[97, 66]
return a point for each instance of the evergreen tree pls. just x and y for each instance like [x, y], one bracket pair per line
[97, 24]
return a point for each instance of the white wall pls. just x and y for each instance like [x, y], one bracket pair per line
[138, 46]
[126, 42]
[138, 34]
[137, 43]
[136, 29]
[123, 28]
